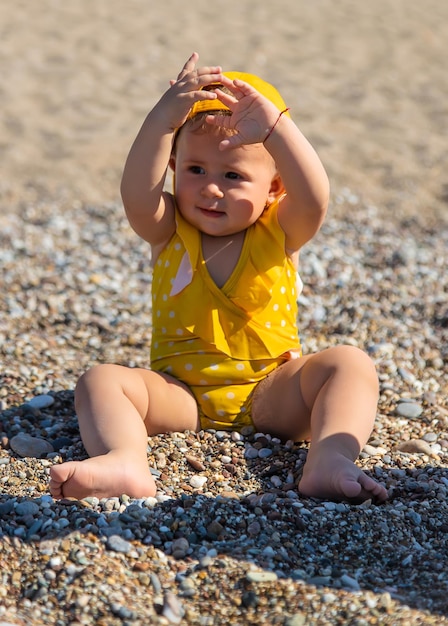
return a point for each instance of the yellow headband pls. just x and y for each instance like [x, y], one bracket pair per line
[266, 90]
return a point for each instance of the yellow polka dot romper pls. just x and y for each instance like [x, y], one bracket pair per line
[222, 342]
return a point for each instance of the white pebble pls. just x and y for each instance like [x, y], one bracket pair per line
[329, 597]
[261, 577]
[197, 482]
[55, 562]
[162, 497]
[373, 450]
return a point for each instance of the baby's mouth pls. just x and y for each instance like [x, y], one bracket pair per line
[211, 212]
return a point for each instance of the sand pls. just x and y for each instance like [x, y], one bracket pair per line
[366, 82]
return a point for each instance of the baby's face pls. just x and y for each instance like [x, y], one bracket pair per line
[221, 192]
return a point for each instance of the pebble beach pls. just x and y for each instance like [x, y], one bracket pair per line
[227, 539]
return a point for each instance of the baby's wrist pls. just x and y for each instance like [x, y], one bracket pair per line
[272, 128]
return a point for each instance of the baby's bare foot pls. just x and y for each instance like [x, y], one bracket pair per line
[103, 476]
[336, 477]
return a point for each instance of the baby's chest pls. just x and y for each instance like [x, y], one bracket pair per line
[221, 256]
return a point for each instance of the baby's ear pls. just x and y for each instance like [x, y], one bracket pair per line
[172, 162]
[277, 188]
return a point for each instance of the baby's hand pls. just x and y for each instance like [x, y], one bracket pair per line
[186, 90]
[252, 117]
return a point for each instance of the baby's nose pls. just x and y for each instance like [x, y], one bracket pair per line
[212, 190]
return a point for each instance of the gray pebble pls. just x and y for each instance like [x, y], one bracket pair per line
[187, 587]
[180, 548]
[27, 446]
[351, 583]
[319, 581]
[155, 582]
[121, 612]
[118, 544]
[251, 453]
[41, 402]
[411, 410]
[406, 375]
[7, 507]
[27, 508]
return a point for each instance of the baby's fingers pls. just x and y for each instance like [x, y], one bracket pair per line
[227, 99]
[192, 78]
[188, 67]
[234, 141]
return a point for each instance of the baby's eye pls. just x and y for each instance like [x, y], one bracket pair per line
[196, 169]
[233, 176]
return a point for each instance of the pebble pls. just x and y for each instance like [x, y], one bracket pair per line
[411, 410]
[27, 508]
[261, 577]
[195, 463]
[299, 619]
[180, 548]
[329, 597]
[118, 544]
[350, 582]
[197, 482]
[251, 453]
[406, 375]
[227, 538]
[418, 446]
[374, 451]
[41, 402]
[155, 582]
[28, 446]
[173, 609]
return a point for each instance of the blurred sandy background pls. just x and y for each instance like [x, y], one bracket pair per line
[366, 81]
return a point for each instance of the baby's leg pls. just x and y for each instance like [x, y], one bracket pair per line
[330, 398]
[117, 408]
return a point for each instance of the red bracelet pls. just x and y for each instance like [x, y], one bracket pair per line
[275, 124]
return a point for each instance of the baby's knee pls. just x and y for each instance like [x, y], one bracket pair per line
[97, 375]
[356, 361]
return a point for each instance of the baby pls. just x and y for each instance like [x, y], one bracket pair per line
[249, 192]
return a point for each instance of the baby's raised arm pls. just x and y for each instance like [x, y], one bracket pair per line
[257, 120]
[149, 209]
